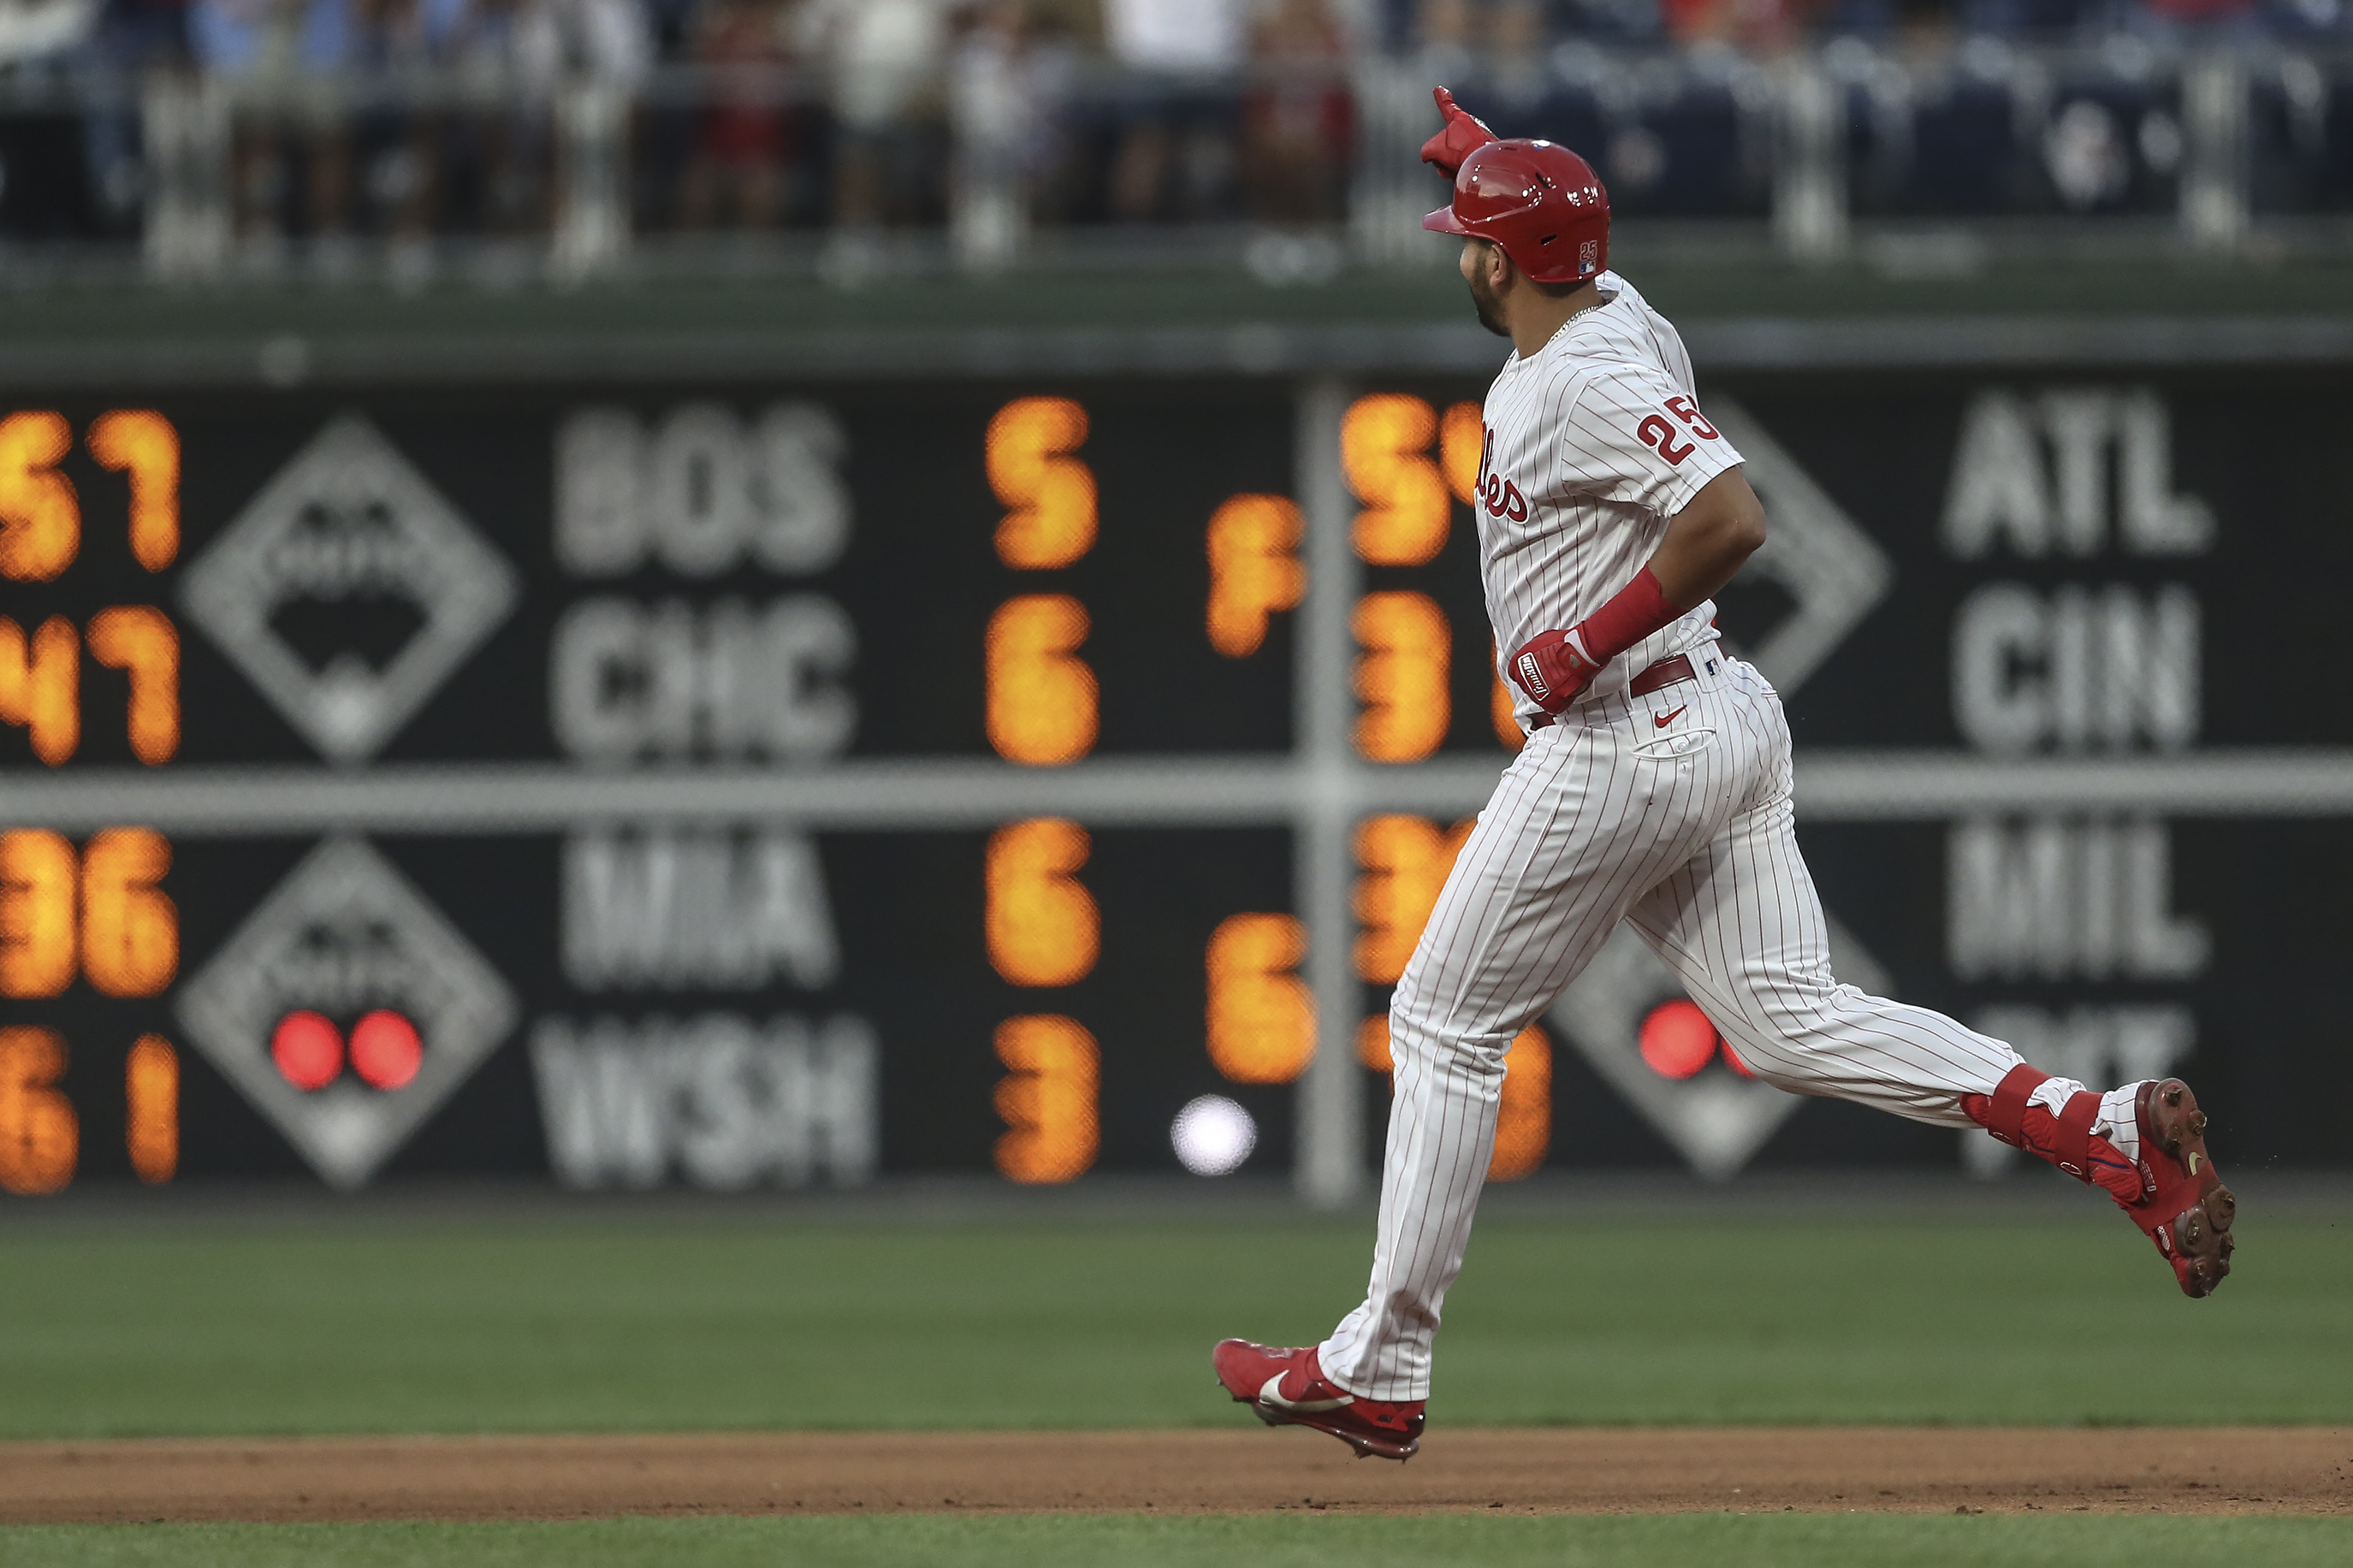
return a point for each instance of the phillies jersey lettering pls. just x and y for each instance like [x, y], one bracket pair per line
[1592, 444]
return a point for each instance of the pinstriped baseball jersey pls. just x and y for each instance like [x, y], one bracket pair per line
[1593, 443]
[1673, 814]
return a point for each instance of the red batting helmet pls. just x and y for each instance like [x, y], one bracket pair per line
[1542, 203]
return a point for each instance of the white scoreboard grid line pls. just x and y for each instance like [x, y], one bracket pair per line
[1196, 791]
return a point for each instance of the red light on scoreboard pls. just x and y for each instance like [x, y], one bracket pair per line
[386, 1051]
[1677, 1039]
[308, 1049]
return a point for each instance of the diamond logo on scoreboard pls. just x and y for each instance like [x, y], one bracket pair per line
[1631, 1019]
[349, 590]
[347, 1009]
[1830, 569]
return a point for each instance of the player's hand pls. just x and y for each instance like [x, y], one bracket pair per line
[1464, 134]
[1552, 668]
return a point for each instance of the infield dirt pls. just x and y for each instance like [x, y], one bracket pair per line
[2242, 1469]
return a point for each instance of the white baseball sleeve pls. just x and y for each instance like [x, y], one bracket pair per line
[1635, 436]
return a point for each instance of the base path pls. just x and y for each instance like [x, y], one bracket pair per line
[2231, 1469]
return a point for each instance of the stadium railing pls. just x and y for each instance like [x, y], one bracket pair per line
[1985, 151]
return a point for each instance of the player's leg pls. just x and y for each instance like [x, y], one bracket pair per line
[1578, 826]
[1743, 929]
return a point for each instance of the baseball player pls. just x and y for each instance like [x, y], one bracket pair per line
[1654, 788]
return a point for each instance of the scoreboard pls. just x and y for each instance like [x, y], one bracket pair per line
[769, 783]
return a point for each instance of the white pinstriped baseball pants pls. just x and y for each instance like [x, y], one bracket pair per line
[1601, 820]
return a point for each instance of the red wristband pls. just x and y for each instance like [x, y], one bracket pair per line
[1638, 609]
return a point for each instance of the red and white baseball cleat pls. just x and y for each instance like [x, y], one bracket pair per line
[2173, 1192]
[1287, 1388]
[2189, 1212]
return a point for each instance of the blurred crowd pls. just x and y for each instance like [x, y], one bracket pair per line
[428, 117]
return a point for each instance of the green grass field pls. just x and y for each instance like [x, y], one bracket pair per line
[1687, 1540]
[572, 1324]
[575, 1325]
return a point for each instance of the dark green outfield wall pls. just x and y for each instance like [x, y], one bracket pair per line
[731, 310]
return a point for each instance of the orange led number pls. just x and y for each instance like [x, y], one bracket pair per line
[39, 1139]
[1501, 709]
[1041, 695]
[1042, 925]
[142, 641]
[37, 913]
[1524, 1120]
[150, 1093]
[1261, 1017]
[1401, 676]
[142, 443]
[40, 520]
[130, 927]
[1384, 452]
[1254, 569]
[40, 686]
[1461, 446]
[1049, 1101]
[1050, 493]
[1406, 860]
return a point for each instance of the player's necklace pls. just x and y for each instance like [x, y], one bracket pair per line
[1581, 310]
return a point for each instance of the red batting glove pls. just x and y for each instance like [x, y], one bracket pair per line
[1464, 134]
[1552, 668]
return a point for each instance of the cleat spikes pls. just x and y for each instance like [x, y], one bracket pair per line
[2196, 1239]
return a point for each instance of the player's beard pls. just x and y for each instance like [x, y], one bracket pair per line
[1490, 309]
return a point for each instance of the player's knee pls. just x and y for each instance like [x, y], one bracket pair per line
[1478, 1053]
[1790, 1007]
